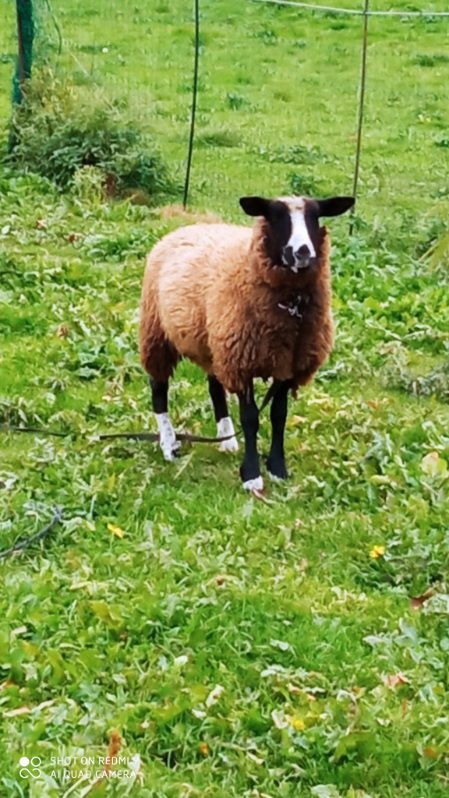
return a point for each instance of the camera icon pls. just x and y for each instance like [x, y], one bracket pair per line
[30, 768]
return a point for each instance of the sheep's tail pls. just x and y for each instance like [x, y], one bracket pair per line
[270, 394]
[272, 391]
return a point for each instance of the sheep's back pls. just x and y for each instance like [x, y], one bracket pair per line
[183, 270]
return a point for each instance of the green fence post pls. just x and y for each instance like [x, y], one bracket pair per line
[25, 37]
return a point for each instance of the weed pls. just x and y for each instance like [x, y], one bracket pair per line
[56, 137]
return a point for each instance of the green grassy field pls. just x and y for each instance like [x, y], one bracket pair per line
[332, 681]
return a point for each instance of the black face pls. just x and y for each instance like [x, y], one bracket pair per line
[279, 228]
[293, 232]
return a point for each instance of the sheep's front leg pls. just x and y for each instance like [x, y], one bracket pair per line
[167, 436]
[278, 414]
[249, 417]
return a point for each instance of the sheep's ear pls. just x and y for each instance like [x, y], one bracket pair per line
[255, 206]
[335, 206]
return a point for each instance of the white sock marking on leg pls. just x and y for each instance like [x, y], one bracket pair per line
[167, 436]
[226, 427]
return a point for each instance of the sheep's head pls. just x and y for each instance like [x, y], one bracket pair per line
[293, 232]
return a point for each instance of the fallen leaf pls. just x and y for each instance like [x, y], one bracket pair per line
[430, 752]
[63, 331]
[258, 494]
[325, 791]
[20, 630]
[116, 530]
[433, 465]
[258, 760]
[41, 224]
[12, 713]
[203, 748]
[282, 645]
[395, 680]
[115, 743]
[296, 420]
[418, 601]
[214, 695]
[279, 719]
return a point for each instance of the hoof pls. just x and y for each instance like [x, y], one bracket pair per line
[171, 451]
[277, 470]
[231, 445]
[170, 455]
[253, 484]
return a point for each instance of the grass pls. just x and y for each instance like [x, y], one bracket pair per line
[312, 612]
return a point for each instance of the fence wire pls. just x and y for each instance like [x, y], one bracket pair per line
[366, 12]
[354, 11]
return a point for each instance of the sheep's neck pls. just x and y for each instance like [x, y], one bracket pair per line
[283, 287]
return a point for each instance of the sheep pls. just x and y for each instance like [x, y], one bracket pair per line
[241, 303]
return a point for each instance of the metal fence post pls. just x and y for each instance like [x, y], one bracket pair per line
[362, 90]
[194, 101]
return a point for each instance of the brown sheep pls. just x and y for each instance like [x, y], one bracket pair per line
[241, 304]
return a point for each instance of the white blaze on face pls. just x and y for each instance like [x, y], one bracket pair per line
[300, 235]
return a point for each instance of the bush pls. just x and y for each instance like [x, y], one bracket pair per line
[55, 134]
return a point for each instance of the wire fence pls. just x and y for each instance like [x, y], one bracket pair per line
[365, 12]
[356, 11]
[201, 20]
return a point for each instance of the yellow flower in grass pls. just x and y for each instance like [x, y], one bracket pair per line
[296, 723]
[116, 530]
[376, 552]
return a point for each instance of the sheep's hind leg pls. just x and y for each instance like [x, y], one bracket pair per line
[278, 414]
[167, 435]
[249, 417]
[225, 426]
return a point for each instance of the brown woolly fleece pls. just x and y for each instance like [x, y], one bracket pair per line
[211, 294]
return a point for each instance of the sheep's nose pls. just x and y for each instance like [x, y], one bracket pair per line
[288, 257]
[303, 252]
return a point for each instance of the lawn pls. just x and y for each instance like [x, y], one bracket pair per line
[226, 647]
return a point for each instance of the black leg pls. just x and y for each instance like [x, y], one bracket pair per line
[249, 417]
[278, 414]
[218, 396]
[159, 396]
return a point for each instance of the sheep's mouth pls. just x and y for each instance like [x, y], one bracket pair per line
[302, 265]
[297, 266]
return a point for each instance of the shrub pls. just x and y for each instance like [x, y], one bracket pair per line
[55, 134]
